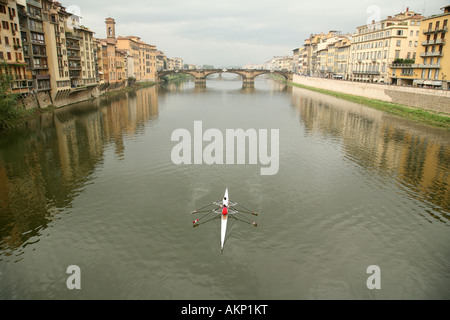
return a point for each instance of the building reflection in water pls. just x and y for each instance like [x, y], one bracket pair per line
[44, 166]
[417, 156]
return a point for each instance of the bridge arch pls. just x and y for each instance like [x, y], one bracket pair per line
[162, 74]
[248, 75]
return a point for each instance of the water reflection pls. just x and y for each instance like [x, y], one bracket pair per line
[416, 156]
[44, 166]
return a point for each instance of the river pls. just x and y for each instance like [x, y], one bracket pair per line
[94, 185]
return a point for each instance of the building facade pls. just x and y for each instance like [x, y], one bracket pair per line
[378, 45]
[12, 58]
[433, 57]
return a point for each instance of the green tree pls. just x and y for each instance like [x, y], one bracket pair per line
[10, 113]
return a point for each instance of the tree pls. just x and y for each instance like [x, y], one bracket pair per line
[10, 113]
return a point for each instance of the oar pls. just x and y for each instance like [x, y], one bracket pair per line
[202, 208]
[249, 211]
[203, 222]
[197, 220]
[248, 221]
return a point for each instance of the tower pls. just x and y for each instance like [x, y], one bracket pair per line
[110, 28]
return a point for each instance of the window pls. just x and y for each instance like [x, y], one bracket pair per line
[38, 38]
[399, 43]
[399, 32]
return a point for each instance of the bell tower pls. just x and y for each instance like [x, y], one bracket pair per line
[110, 28]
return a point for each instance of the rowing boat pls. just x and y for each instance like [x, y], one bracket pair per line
[231, 212]
[224, 220]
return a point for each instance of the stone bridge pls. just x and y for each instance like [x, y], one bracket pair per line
[248, 75]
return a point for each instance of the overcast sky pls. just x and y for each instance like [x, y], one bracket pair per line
[236, 32]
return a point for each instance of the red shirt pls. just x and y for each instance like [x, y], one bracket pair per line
[224, 210]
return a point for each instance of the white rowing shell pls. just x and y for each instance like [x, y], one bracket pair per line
[224, 219]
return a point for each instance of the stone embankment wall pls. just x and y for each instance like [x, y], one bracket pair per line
[430, 99]
[43, 99]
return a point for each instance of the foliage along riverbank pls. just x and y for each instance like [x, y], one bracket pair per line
[11, 113]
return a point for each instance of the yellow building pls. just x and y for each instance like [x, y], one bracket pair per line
[98, 54]
[341, 58]
[11, 50]
[379, 44]
[433, 61]
[87, 54]
[144, 57]
[128, 57]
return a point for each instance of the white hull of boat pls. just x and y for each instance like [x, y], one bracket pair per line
[224, 220]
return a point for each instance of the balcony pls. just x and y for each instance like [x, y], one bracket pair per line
[39, 66]
[70, 35]
[401, 66]
[436, 30]
[427, 66]
[431, 54]
[74, 67]
[35, 3]
[367, 72]
[73, 47]
[72, 57]
[433, 42]
[41, 77]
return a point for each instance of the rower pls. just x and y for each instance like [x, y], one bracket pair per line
[225, 210]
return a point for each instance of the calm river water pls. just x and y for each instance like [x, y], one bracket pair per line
[93, 185]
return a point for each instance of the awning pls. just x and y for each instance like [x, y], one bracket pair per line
[437, 83]
[418, 81]
[428, 82]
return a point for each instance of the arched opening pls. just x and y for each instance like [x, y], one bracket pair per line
[224, 80]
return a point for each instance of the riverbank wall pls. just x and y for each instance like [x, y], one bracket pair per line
[434, 100]
[44, 99]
